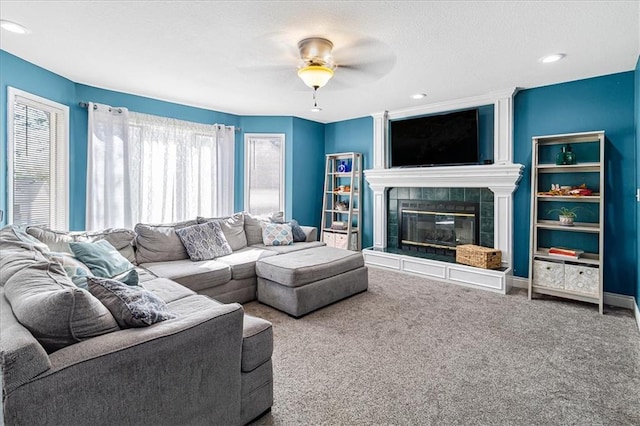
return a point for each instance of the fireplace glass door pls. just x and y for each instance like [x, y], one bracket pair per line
[437, 228]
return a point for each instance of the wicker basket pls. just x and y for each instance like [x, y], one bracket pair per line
[481, 257]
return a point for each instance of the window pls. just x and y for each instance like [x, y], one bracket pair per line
[263, 173]
[38, 161]
[151, 169]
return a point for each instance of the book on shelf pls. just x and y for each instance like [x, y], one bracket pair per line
[566, 252]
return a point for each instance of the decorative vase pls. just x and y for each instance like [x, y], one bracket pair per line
[561, 158]
[566, 220]
[569, 156]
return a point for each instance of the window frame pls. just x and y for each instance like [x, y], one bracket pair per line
[59, 194]
[247, 180]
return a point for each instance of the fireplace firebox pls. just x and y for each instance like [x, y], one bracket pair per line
[437, 227]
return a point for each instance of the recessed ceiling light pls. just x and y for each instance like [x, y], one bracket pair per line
[14, 27]
[552, 58]
[316, 109]
[418, 96]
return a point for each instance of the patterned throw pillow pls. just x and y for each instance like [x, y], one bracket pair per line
[277, 234]
[204, 241]
[130, 306]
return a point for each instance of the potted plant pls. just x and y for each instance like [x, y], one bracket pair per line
[566, 215]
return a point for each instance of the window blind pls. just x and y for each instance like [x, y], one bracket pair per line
[39, 165]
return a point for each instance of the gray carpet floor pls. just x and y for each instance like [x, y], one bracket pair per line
[411, 351]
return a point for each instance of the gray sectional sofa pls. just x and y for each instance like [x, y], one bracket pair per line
[65, 361]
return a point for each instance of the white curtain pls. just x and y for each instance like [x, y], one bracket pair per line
[174, 170]
[108, 184]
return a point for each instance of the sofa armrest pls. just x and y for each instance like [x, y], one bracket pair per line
[21, 356]
[311, 232]
[181, 371]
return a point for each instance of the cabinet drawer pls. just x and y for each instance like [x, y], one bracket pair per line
[582, 279]
[548, 274]
[329, 239]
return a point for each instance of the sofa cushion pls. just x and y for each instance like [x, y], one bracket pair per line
[57, 241]
[204, 241]
[276, 234]
[58, 313]
[233, 228]
[193, 275]
[131, 306]
[167, 290]
[105, 261]
[257, 342]
[307, 266]
[158, 243]
[13, 237]
[253, 228]
[243, 262]
[290, 248]
[17, 251]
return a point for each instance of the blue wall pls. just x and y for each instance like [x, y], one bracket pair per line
[308, 171]
[636, 119]
[355, 135]
[601, 103]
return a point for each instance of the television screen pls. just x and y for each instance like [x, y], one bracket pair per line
[435, 140]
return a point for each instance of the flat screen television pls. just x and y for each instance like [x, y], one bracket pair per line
[435, 140]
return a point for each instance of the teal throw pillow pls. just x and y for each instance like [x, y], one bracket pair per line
[105, 261]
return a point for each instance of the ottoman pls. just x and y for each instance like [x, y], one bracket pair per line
[303, 281]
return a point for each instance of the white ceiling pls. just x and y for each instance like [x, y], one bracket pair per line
[209, 53]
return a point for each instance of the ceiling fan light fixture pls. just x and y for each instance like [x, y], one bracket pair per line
[316, 109]
[315, 76]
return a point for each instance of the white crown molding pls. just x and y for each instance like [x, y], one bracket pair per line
[469, 102]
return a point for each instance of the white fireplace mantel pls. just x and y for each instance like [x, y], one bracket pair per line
[501, 178]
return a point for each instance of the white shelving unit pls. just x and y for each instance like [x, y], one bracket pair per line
[581, 278]
[340, 205]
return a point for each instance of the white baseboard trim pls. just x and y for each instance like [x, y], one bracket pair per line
[519, 282]
[611, 299]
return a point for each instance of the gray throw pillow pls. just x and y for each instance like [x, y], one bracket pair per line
[204, 241]
[130, 306]
[53, 309]
[233, 229]
[105, 261]
[298, 234]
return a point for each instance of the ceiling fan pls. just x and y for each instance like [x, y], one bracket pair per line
[317, 66]
[352, 61]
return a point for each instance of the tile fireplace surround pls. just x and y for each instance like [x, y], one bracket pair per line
[501, 178]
